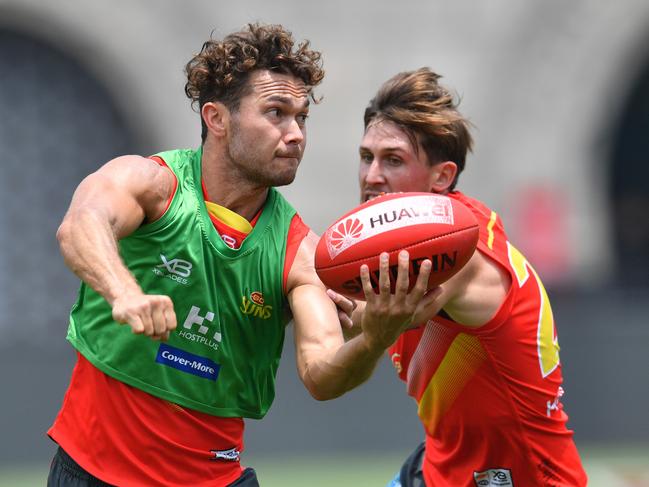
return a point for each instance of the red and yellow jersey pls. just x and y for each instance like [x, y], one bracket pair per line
[489, 398]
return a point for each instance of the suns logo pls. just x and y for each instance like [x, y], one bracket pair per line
[254, 305]
[257, 298]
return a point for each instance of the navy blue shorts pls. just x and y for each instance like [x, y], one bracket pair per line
[411, 474]
[65, 472]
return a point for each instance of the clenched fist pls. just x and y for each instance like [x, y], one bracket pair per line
[148, 314]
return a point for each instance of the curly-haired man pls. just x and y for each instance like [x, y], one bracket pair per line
[205, 262]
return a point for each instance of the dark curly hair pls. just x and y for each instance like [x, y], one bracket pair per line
[220, 72]
[427, 112]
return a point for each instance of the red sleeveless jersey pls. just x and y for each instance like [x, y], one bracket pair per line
[489, 398]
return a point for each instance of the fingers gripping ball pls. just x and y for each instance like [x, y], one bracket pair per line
[428, 226]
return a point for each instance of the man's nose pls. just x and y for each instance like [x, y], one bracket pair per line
[374, 174]
[294, 133]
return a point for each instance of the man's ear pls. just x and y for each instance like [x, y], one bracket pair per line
[216, 117]
[443, 176]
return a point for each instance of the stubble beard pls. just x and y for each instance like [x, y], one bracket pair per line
[252, 165]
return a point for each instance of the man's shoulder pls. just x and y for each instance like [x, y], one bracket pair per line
[283, 210]
[171, 156]
[473, 203]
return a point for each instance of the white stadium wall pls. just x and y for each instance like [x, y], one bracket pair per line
[535, 78]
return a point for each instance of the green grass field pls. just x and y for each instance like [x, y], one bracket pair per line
[607, 467]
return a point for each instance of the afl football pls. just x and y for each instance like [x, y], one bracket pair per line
[427, 225]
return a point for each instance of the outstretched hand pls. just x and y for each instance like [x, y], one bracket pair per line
[388, 314]
[147, 314]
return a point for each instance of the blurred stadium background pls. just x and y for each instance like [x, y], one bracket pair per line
[559, 95]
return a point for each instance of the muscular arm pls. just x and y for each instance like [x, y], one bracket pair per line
[473, 296]
[327, 364]
[108, 205]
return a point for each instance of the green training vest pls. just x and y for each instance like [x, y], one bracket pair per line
[230, 306]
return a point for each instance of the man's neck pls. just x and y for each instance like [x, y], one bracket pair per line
[227, 188]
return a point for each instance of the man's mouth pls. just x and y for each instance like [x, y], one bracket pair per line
[289, 155]
[370, 195]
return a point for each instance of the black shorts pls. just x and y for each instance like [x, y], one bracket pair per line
[65, 472]
[411, 474]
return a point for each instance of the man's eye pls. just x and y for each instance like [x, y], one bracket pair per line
[394, 161]
[366, 157]
[275, 112]
[301, 119]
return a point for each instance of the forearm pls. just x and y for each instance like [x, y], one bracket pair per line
[337, 371]
[89, 247]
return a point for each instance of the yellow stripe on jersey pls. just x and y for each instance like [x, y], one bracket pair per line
[229, 217]
[490, 229]
[519, 264]
[547, 342]
[462, 360]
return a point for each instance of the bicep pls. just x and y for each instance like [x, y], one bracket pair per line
[473, 296]
[124, 192]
